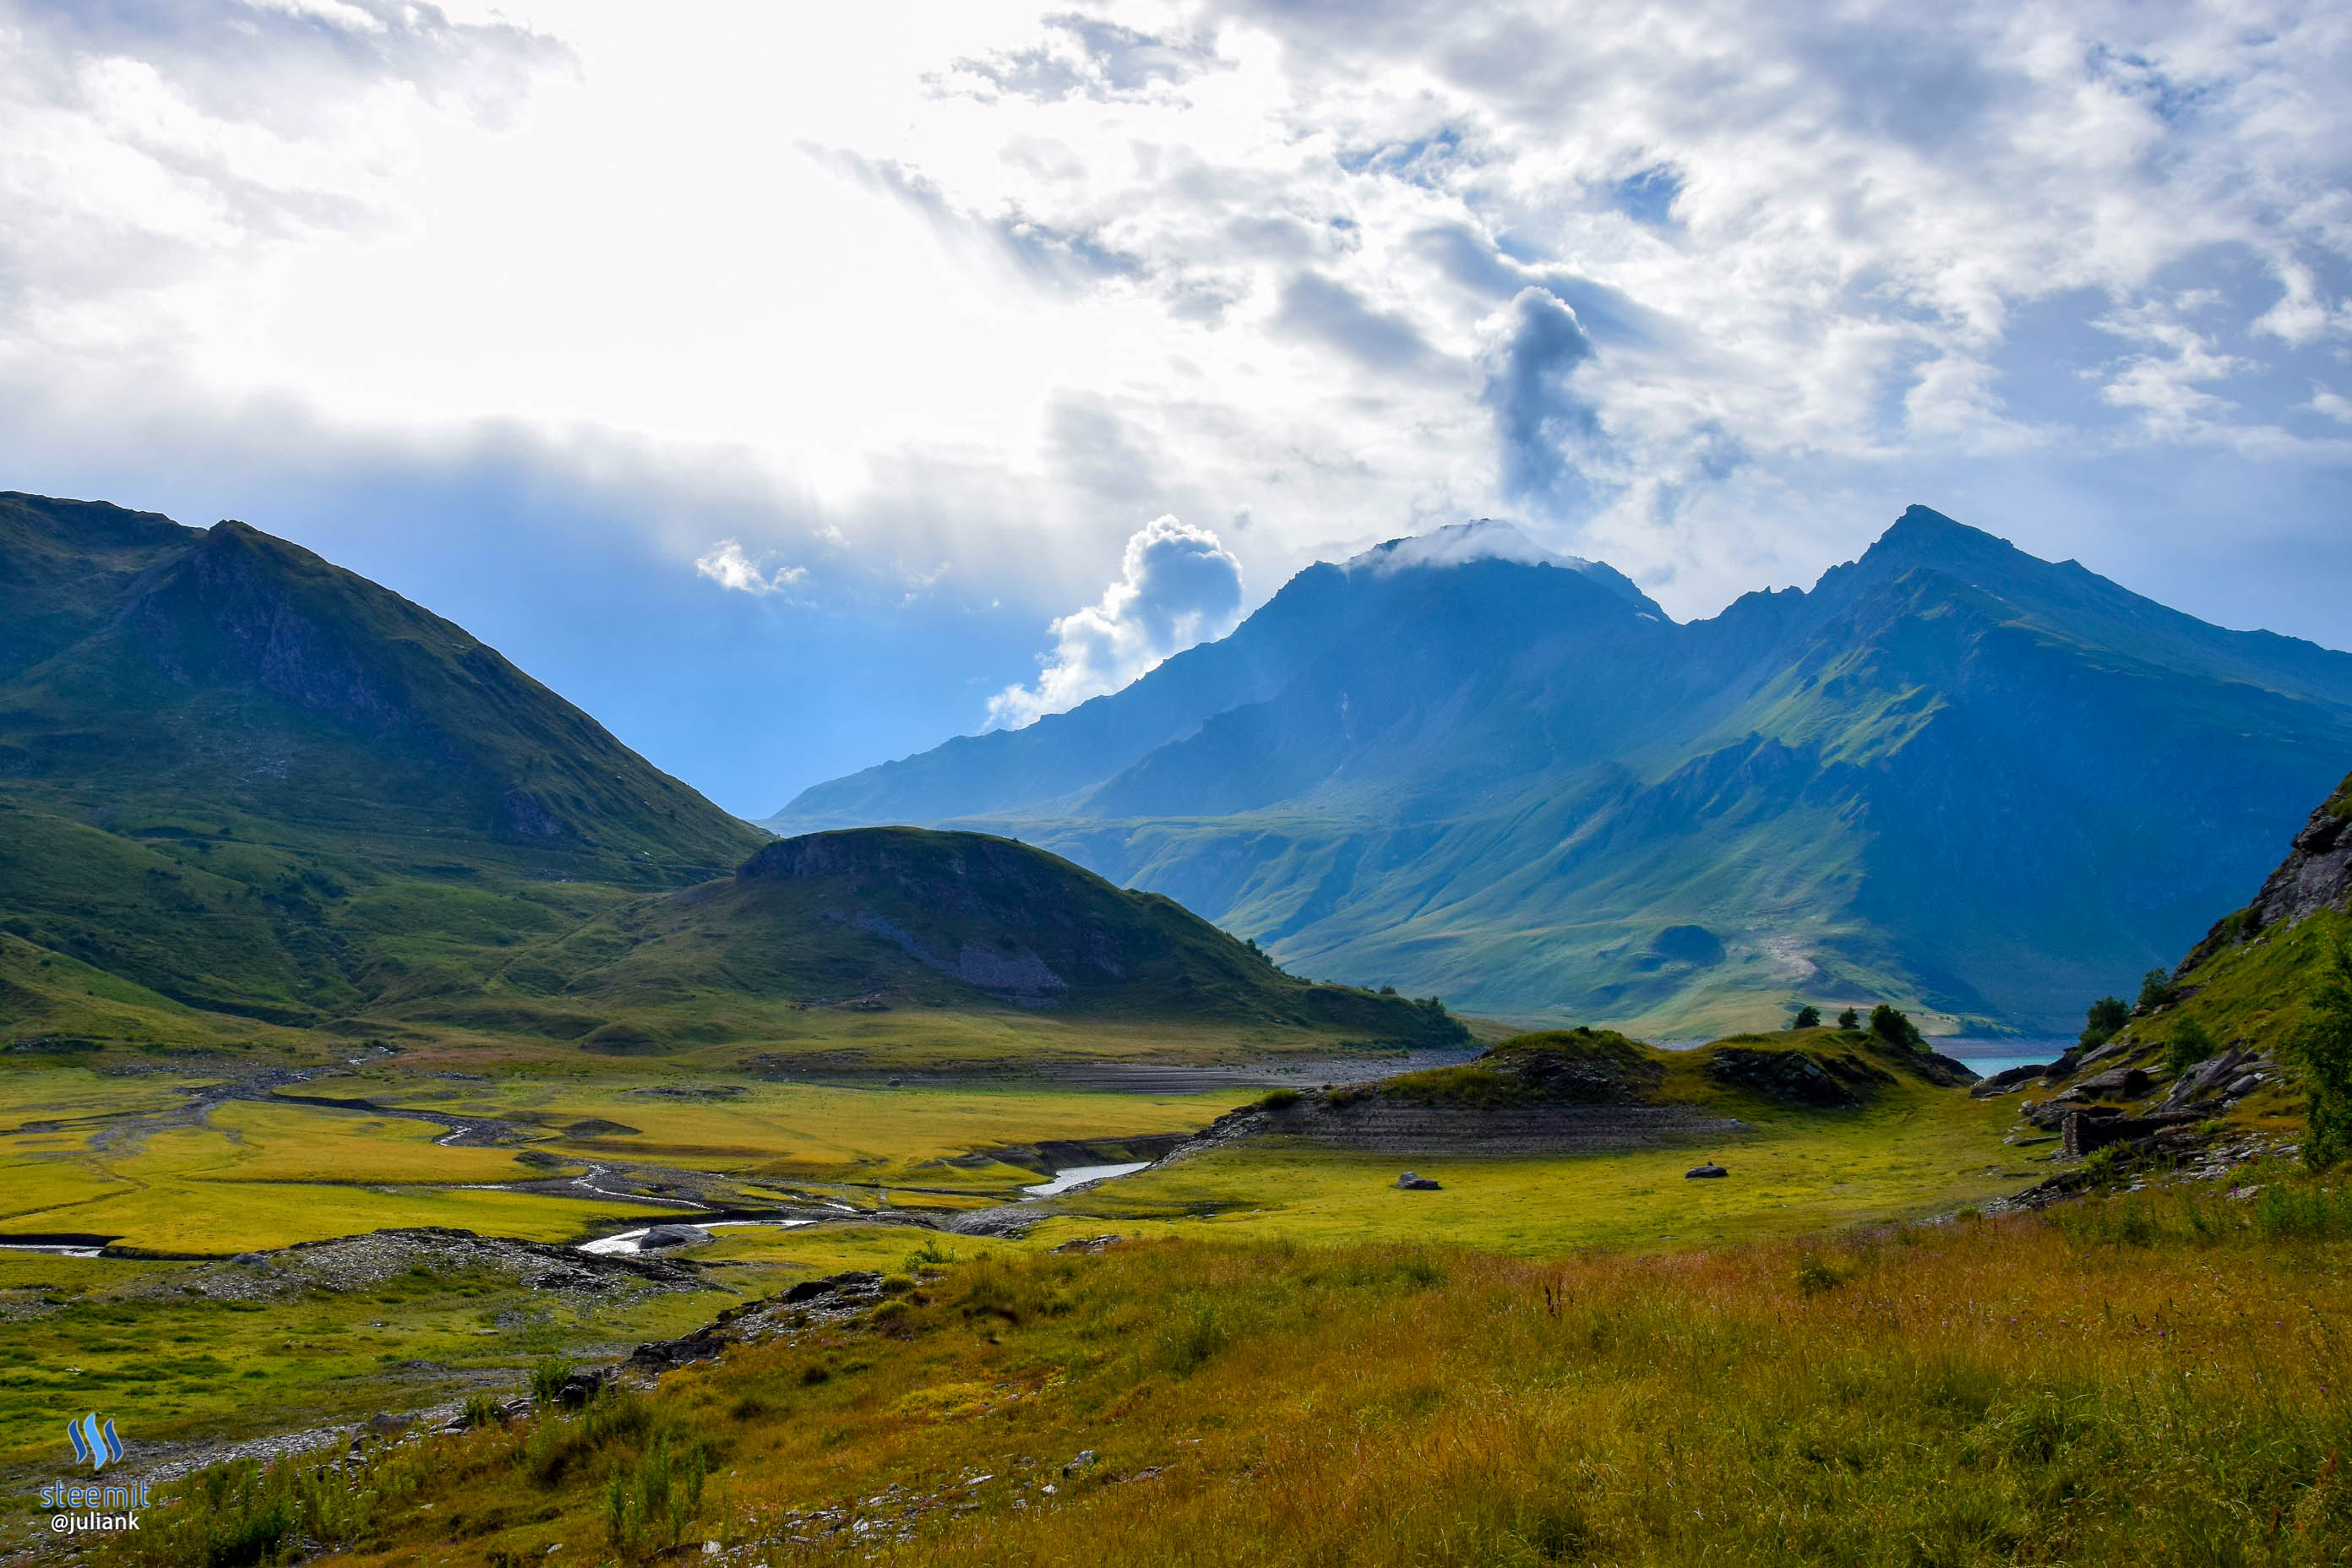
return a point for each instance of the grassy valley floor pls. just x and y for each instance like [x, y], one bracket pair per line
[2157, 1378]
[1830, 1356]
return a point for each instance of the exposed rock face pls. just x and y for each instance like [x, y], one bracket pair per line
[2317, 871]
[2010, 1079]
[1706, 1173]
[227, 616]
[975, 965]
[2316, 875]
[1413, 1183]
[1827, 1082]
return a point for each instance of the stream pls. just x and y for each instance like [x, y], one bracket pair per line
[1078, 1175]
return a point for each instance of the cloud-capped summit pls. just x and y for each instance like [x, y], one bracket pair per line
[1487, 539]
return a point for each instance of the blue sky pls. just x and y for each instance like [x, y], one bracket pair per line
[794, 389]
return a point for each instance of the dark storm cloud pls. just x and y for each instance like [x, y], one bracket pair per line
[1541, 420]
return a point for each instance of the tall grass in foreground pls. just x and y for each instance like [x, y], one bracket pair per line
[2151, 1379]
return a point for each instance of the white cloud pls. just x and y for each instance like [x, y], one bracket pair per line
[726, 564]
[1707, 288]
[1178, 585]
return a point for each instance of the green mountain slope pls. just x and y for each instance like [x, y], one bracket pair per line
[240, 786]
[1952, 774]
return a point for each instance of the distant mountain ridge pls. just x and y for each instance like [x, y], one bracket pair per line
[1951, 773]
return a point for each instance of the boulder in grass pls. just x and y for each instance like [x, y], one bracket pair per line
[1707, 1172]
[1414, 1184]
[662, 1236]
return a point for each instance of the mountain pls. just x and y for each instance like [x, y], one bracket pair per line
[242, 779]
[886, 919]
[1951, 774]
[241, 786]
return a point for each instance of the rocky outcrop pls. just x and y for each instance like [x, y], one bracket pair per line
[832, 1299]
[1019, 972]
[1378, 1123]
[1825, 1082]
[2316, 875]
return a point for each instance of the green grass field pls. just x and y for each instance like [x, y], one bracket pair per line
[1929, 1151]
[2144, 1380]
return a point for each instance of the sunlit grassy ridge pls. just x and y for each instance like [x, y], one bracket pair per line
[1919, 1153]
[2146, 1380]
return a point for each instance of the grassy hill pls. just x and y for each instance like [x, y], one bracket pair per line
[902, 917]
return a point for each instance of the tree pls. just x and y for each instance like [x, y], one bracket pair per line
[1895, 1028]
[2107, 1015]
[2321, 1048]
[2155, 990]
[1849, 1019]
[1808, 1017]
[2191, 1043]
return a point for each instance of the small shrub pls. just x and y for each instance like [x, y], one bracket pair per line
[931, 1255]
[1808, 1017]
[897, 1284]
[2104, 1164]
[1280, 1099]
[1191, 1341]
[548, 1376]
[2191, 1043]
[482, 1410]
[2155, 990]
[2281, 1212]
[1556, 1530]
[2321, 1048]
[1849, 1019]
[1816, 1275]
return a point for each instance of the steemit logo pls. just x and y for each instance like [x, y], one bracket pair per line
[95, 1444]
[111, 1506]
